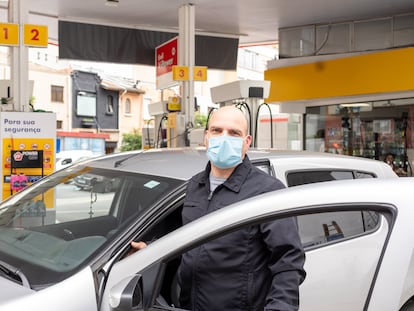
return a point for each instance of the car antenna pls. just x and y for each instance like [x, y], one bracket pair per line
[119, 162]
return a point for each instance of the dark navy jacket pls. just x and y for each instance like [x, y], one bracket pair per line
[256, 268]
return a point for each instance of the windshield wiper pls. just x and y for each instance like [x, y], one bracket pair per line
[13, 273]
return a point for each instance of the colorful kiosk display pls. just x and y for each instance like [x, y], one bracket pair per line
[28, 150]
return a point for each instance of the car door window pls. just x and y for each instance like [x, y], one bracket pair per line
[345, 262]
[322, 228]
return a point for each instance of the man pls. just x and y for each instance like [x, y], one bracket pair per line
[256, 268]
[389, 159]
[259, 268]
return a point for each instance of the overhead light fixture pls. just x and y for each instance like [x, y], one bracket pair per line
[354, 105]
[112, 2]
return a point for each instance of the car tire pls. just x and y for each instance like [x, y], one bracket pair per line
[408, 306]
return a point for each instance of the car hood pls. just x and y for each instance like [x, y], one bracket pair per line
[11, 290]
[81, 285]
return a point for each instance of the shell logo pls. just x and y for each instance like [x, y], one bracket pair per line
[18, 156]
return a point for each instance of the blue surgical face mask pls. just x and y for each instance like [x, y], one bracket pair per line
[225, 151]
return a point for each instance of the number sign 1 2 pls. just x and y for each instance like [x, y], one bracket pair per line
[35, 35]
[9, 34]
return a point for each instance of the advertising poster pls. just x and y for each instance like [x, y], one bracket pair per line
[166, 56]
[28, 150]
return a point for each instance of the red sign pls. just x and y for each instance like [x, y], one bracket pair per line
[166, 56]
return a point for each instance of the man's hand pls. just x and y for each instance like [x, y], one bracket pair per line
[136, 246]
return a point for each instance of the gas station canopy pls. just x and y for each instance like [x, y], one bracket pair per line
[252, 22]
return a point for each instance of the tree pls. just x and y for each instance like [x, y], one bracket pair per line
[200, 120]
[131, 141]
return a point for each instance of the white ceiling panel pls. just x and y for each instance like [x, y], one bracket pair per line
[254, 21]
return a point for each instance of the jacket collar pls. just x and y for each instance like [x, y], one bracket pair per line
[236, 179]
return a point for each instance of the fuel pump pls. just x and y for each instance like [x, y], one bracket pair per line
[169, 123]
[248, 96]
[155, 136]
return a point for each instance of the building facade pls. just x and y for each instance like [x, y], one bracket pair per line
[350, 83]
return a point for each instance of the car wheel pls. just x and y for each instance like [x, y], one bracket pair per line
[409, 306]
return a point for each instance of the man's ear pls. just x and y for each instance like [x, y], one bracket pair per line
[248, 140]
[206, 138]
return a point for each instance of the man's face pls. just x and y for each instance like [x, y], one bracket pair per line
[229, 122]
[389, 159]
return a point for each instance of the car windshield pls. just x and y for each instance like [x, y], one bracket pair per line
[55, 226]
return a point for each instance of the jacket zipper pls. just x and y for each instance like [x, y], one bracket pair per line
[210, 195]
[195, 267]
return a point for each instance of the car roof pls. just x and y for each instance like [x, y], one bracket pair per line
[182, 163]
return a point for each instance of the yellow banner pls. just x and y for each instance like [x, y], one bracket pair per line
[381, 72]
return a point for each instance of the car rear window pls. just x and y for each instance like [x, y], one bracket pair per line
[311, 176]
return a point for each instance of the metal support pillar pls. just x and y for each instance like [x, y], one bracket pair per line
[186, 56]
[19, 64]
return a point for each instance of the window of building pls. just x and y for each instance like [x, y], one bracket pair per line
[57, 93]
[295, 42]
[109, 105]
[333, 39]
[86, 104]
[363, 35]
[404, 30]
[248, 59]
[373, 34]
[59, 124]
[128, 106]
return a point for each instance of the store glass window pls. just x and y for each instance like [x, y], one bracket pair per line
[369, 129]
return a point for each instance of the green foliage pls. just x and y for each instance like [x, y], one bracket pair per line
[131, 141]
[32, 99]
[200, 120]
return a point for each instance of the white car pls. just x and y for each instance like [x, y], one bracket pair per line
[69, 157]
[64, 249]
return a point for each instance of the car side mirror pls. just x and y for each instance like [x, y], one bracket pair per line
[67, 161]
[127, 295]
